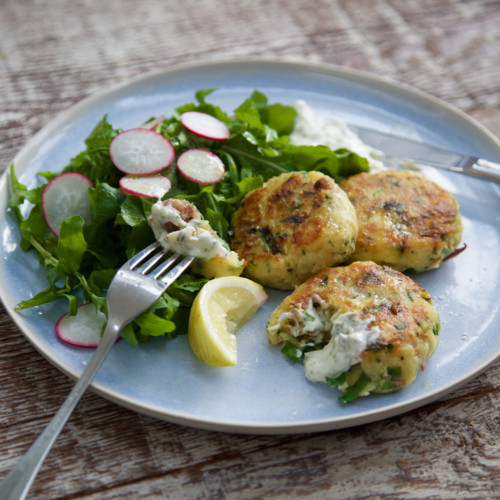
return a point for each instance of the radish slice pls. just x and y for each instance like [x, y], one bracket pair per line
[64, 196]
[201, 166]
[151, 186]
[206, 126]
[84, 329]
[140, 151]
[153, 123]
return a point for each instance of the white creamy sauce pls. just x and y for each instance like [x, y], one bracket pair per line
[313, 129]
[193, 238]
[350, 336]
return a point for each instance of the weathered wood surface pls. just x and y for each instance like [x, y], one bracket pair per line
[52, 54]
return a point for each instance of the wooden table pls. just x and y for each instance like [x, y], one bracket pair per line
[55, 52]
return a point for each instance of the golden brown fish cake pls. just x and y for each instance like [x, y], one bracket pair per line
[295, 225]
[393, 303]
[405, 220]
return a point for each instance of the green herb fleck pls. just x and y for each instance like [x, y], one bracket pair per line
[394, 372]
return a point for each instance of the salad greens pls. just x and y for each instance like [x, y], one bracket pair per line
[82, 261]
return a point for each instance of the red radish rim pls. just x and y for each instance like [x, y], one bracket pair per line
[218, 137]
[194, 179]
[47, 188]
[153, 123]
[140, 130]
[71, 342]
[141, 193]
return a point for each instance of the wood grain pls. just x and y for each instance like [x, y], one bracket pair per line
[52, 54]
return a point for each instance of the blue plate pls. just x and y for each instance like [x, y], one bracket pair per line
[265, 393]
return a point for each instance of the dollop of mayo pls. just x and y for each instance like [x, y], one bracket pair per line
[350, 336]
[313, 129]
[194, 238]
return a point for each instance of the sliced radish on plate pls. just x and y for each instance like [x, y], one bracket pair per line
[83, 329]
[64, 196]
[140, 151]
[151, 186]
[153, 123]
[206, 126]
[201, 166]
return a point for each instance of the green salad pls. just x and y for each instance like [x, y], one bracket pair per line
[81, 261]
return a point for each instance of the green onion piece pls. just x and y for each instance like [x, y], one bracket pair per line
[292, 351]
[356, 389]
[339, 380]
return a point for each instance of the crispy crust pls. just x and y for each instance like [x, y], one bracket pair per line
[295, 225]
[405, 220]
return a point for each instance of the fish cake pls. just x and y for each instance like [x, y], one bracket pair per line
[369, 328]
[293, 226]
[405, 220]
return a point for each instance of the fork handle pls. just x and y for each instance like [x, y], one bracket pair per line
[17, 482]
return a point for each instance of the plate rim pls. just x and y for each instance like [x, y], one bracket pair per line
[368, 79]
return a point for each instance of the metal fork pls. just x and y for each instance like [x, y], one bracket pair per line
[135, 288]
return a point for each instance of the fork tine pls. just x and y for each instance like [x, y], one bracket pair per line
[149, 264]
[175, 272]
[164, 266]
[139, 264]
[143, 254]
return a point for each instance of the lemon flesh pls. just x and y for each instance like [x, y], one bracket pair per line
[219, 310]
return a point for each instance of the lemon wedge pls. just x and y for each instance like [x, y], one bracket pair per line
[219, 310]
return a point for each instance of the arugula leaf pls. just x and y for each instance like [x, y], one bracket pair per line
[350, 163]
[185, 288]
[101, 278]
[71, 244]
[152, 325]
[50, 294]
[131, 212]
[248, 112]
[19, 192]
[280, 118]
[105, 202]
[202, 93]
[128, 334]
[277, 116]
[34, 228]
